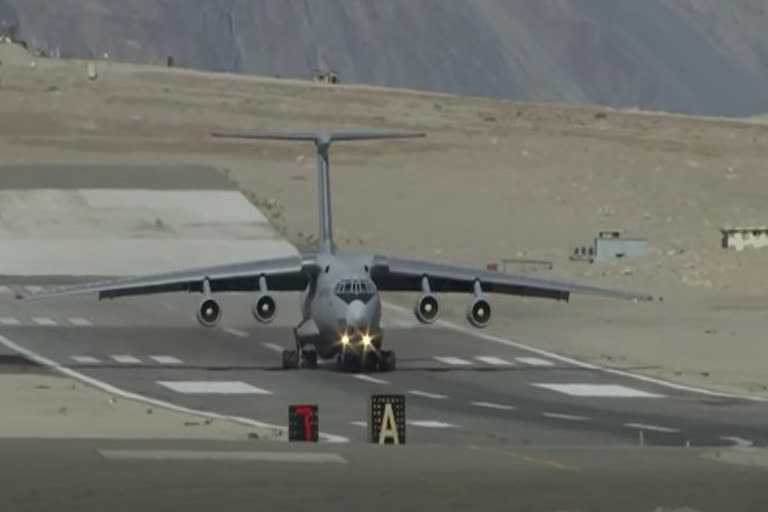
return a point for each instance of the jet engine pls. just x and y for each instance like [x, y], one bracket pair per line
[427, 309]
[479, 312]
[209, 312]
[265, 308]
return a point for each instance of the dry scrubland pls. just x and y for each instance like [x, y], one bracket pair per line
[492, 180]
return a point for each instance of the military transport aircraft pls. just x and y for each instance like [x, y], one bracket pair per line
[339, 290]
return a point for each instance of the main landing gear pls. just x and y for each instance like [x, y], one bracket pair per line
[293, 359]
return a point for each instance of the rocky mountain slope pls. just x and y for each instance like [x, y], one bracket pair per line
[689, 56]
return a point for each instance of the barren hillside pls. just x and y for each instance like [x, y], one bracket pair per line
[691, 56]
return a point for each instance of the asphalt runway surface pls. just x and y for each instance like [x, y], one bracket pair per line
[96, 475]
[460, 389]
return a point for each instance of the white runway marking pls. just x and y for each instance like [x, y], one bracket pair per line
[213, 387]
[85, 359]
[69, 372]
[80, 322]
[738, 441]
[34, 289]
[44, 321]
[235, 332]
[427, 395]
[368, 378]
[359, 423]
[166, 359]
[430, 424]
[598, 390]
[5, 289]
[534, 361]
[655, 428]
[569, 417]
[221, 455]
[126, 359]
[272, 346]
[455, 361]
[490, 405]
[9, 320]
[494, 361]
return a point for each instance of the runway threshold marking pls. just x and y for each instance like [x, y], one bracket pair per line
[45, 321]
[109, 388]
[597, 390]
[529, 458]
[534, 361]
[166, 359]
[85, 359]
[126, 359]
[494, 361]
[201, 455]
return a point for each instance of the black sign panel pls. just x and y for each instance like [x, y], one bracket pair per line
[303, 423]
[387, 419]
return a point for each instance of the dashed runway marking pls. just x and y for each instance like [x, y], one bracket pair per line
[455, 361]
[85, 359]
[567, 417]
[80, 322]
[34, 288]
[494, 361]
[126, 359]
[45, 321]
[655, 428]
[427, 395]
[213, 387]
[273, 346]
[598, 390]
[368, 378]
[8, 320]
[235, 332]
[534, 361]
[166, 359]
[490, 405]
[430, 424]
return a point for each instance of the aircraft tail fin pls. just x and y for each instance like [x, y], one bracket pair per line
[322, 142]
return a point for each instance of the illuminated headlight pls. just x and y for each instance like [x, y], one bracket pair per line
[344, 339]
[366, 340]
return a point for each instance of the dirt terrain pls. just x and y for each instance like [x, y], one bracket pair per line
[492, 180]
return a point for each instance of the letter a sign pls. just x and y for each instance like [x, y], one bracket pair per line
[388, 419]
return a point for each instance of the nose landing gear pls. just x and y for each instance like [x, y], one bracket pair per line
[381, 361]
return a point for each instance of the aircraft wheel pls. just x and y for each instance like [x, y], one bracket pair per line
[348, 363]
[387, 363]
[290, 359]
[309, 359]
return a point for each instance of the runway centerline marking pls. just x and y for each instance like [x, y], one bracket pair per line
[212, 387]
[235, 332]
[425, 394]
[109, 388]
[567, 417]
[166, 359]
[597, 390]
[85, 359]
[655, 428]
[368, 378]
[528, 458]
[494, 361]
[534, 361]
[126, 359]
[80, 322]
[456, 361]
[42, 320]
[490, 405]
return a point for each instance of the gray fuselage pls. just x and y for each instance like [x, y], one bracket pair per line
[341, 308]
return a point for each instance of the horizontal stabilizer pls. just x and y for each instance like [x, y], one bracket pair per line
[318, 137]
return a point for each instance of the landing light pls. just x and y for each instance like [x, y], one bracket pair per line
[366, 340]
[345, 339]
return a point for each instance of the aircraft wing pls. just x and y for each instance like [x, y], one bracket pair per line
[400, 275]
[281, 274]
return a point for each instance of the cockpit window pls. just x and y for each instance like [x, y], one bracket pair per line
[354, 289]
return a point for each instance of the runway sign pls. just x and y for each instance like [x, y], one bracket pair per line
[303, 423]
[387, 419]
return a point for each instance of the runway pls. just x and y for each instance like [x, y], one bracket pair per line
[459, 389]
[91, 475]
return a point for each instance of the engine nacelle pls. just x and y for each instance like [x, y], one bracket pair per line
[209, 312]
[265, 308]
[427, 309]
[479, 312]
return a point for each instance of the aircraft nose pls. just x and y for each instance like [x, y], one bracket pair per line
[355, 316]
